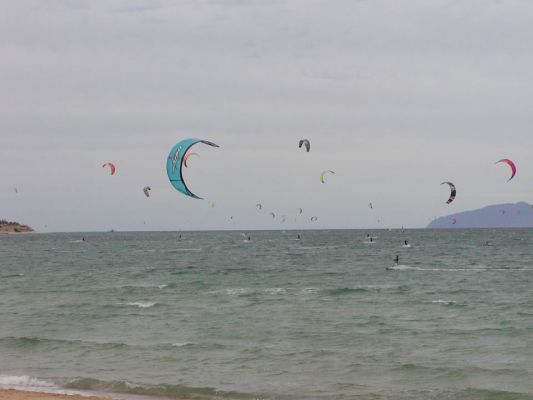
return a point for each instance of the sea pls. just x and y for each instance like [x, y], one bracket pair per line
[215, 315]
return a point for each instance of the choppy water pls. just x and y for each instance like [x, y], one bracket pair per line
[276, 318]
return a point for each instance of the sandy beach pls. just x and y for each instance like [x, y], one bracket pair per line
[12, 394]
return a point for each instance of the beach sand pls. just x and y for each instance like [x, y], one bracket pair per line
[11, 394]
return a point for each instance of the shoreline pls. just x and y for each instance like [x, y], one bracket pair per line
[58, 393]
[16, 394]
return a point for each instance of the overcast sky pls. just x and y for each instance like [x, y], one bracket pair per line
[395, 97]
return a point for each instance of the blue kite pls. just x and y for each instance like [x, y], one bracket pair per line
[175, 164]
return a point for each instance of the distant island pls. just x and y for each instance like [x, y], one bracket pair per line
[13, 227]
[508, 215]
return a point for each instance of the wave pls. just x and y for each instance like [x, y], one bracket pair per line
[275, 290]
[313, 247]
[488, 394]
[182, 344]
[237, 291]
[409, 268]
[244, 292]
[459, 269]
[24, 381]
[12, 276]
[346, 290]
[88, 386]
[141, 304]
[448, 303]
[364, 289]
[162, 390]
[463, 373]
[191, 249]
[525, 314]
[33, 341]
[28, 343]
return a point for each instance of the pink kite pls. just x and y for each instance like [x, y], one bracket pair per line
[111, 166]
[511, 164]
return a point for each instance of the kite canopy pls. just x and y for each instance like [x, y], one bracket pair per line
[315, 218]
[111, 167]
[510, 164]
[146, 191]
[300, 211]
[259, 206]
[453, 191]
[273, 215]
[175, 164]
[306, 143]
[323, 174]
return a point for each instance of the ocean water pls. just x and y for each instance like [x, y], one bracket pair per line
[214, 316]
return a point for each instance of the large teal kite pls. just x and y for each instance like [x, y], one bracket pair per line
[175, 164]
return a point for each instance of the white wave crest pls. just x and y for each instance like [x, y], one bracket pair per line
[406, 268]
[275, 290]
[141, 304]
[24, 381]
[181, 344]
[237, 291]
[445, 302]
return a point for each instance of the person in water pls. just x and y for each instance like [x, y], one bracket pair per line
[299, 237]
[397, 259]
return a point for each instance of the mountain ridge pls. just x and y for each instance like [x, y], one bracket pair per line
[506, 215]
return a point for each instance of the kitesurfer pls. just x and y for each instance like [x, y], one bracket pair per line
[406, 243]
[299, 237]
[397, 260]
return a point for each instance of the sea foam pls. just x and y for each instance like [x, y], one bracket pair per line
[24, 381]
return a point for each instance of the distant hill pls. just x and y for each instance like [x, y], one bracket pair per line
[509, 215]
[13, 227]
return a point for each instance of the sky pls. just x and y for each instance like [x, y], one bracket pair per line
[394, 96]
